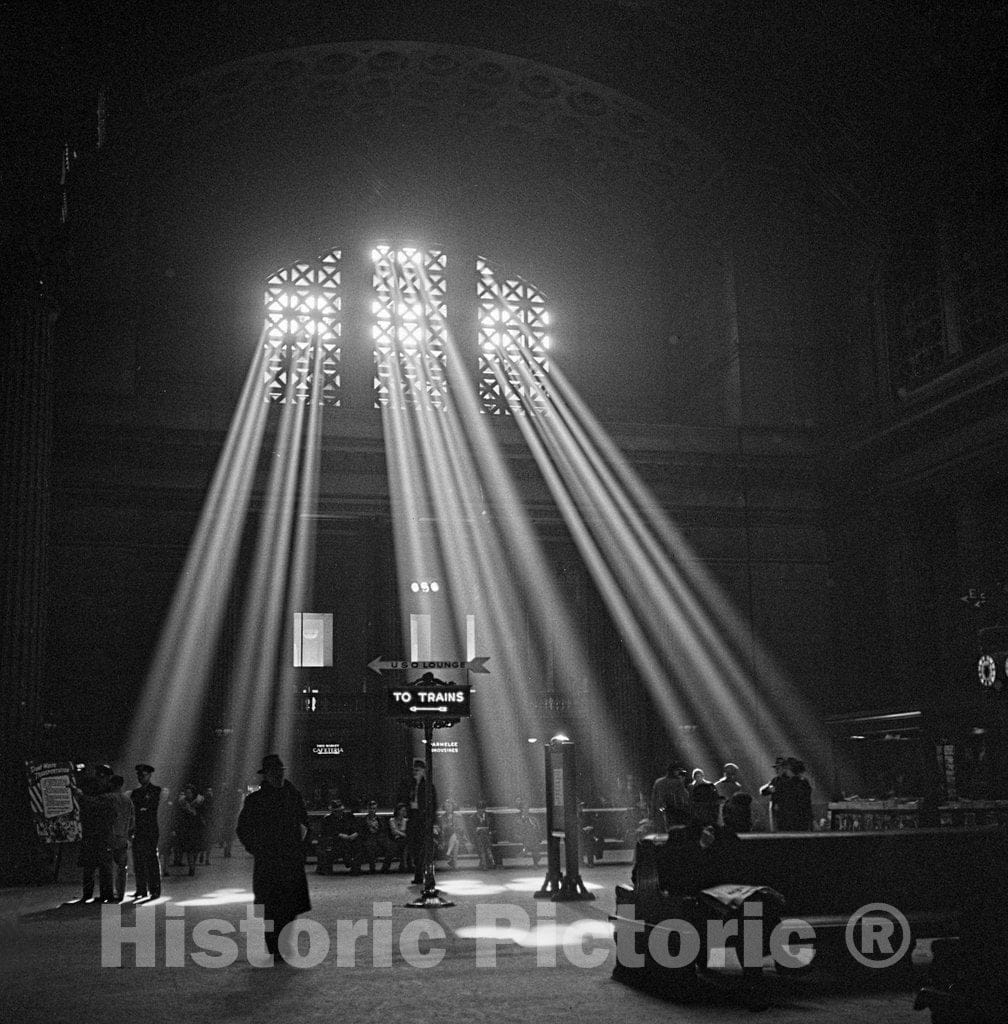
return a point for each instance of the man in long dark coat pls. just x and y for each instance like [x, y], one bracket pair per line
[97, 817]
[272, 826]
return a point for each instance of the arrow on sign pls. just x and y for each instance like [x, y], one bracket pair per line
[473, 665]
[441, 710]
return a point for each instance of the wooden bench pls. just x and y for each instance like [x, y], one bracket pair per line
[612, 826]
[929, 875]
[504, 846]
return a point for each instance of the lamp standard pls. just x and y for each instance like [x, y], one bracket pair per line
[553, 882]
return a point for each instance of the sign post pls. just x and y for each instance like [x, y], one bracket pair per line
[430, 704]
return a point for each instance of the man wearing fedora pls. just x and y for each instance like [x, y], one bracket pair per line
[796, 808]
[773, 791]
[272, 826]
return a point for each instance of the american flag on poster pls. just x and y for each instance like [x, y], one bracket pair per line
[54, 807]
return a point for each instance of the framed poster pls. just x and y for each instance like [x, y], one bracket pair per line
[54, 807]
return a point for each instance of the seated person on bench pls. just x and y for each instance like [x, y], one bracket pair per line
[340, 839]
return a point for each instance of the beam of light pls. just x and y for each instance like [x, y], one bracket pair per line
[675, 619]
[495, 565]
[511, 563]
[472, 568]
[596, 538]
[303, 557]
[252, 703]
[719, 634]
[611, 538]
[413, 471]
[533, 585]
[164, 726]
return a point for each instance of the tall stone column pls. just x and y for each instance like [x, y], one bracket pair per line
[27, 315]
[732, 381]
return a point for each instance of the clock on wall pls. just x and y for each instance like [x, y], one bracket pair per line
[987, 669]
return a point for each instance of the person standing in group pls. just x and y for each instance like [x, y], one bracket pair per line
[728, 785]
[146, 804]
[272, 826]
[794, 803]
[228, 816]
[529, 832]
[704, 801]
[736, 807]
[96, 817]
[670, 802]
[453, 833]
[805, 814]
[483, 837]
[413, 793]
[191, 825]
[209, 831]
[774, 789]
[123, 824]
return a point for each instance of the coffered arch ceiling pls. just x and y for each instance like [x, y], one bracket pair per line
[613, 209]
[395, 125]
[857, 105]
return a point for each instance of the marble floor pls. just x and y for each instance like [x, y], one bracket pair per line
[496, 955]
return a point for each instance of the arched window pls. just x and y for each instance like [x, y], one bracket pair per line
[513, 341]
[303, 306]
[410, 320]
[406, 310]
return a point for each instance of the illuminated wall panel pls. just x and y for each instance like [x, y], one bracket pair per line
[420, 637]
[313, 639]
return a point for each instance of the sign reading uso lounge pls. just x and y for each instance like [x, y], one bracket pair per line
[418, 702]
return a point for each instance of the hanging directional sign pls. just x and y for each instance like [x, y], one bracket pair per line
[417, 702]
[473, 665]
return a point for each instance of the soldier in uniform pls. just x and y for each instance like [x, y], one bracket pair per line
[146, 803]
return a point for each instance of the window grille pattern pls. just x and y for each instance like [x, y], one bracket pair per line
[410, 313]
[303, 332]
[513, 342]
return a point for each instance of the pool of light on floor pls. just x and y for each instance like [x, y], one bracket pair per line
[217, 898]
[478, 887]
[548, 933]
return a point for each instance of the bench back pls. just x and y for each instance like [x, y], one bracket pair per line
[819, 873]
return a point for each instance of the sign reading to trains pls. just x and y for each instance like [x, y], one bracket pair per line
[418, 701]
